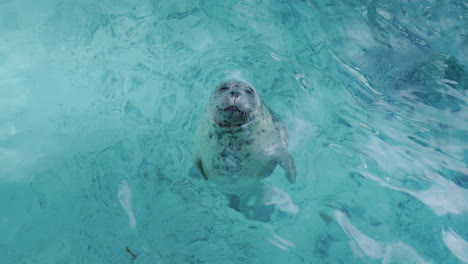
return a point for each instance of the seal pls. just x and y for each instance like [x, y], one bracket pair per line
[239, 140]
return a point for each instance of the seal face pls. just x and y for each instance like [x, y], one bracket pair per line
[234, 104]
[239, 140]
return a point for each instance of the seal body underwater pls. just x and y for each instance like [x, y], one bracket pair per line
[240, 141]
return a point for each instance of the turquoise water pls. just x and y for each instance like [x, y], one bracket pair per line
[99, 101]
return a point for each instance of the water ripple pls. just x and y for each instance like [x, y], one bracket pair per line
[99, 102]
[366, 247]
[456, 244]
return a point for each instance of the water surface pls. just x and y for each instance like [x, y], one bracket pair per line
[99, 102]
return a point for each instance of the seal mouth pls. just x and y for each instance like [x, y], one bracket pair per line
[232, 109]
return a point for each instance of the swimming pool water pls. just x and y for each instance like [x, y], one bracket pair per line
[99, 101]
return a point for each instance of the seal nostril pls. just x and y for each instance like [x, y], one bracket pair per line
[235, 94]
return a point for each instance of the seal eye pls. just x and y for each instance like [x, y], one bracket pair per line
[249, 91]
[224, 88]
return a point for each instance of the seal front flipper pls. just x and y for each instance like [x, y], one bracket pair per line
[286, 161]
[199, 166]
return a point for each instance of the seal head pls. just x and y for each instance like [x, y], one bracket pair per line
[234, 104]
